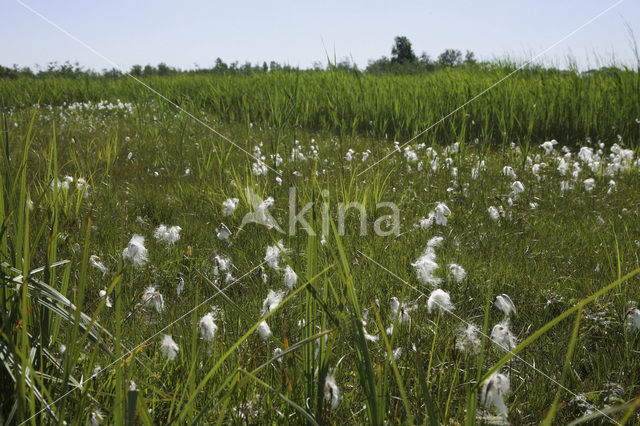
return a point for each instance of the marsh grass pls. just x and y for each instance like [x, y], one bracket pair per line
[558, 262]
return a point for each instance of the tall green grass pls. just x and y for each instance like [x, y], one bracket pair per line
[533, 104]
[555, 261]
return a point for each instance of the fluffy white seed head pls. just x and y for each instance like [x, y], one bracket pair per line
[290, 277]
[502, 336]
[589, 184]
[517, 188]
[467, 340]
[152, 297]
[207, 327]
[633, 320]
[274, 298]
[367, 336]
[457, 272]
[108, 303]
[229, 206]
[397, 353]
[509, 172]
[427, 222]
[494, 214]
[505, 304]
[494, 389]
[272, 256]
[264, 331]
[224, 232]
[426, 266]
[439, 300]
[441, 212]
[222, 263]
[169, 347]
[168, 235]
[401, 312]
[332, 392]
[548, 146]
[435, 242]
[277, 353]
[135, 252]
[96, 263]
[96, 418]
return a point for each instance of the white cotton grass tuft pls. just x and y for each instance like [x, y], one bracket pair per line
[565, 186]
[439, 300]
[494, 214]
[467, 339]
[504, 303]
[397, 353]
[273, 254]
[153, 298]
[167, 234]
[107, 301]
[262, 212]
[224, 232]
[207, 327]
[632, 320]
[169, 347]
[135, 252]
[223, 264]
[277, 354]
[274, 298]
[332, 392]
[229, 206]
[457, 272]
[83, 187]
[95, 418]
[441, 212]
[426, 265]
[494, 390]
[290, 277]
[264, 331]
[97, 263]
[435, 242]
[548, 146]
[509, 172]
[517, 188]
[589, 184]
[502, 336]
[426, 223]
[180, 286]
[367, 336]
[401, 312]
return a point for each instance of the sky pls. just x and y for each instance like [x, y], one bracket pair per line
[187, 34]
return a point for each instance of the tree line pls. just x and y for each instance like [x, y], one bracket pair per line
[402, 60]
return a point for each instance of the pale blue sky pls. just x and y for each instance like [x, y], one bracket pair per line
[184, 33]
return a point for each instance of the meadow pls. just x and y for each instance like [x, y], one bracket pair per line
[126, 218]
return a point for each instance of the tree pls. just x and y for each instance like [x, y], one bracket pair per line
[402, 52]
[220, 65]
[426, 62]
[136, 70]
[149, 70]
[469, 58]
[164, 69]
[450, 58]
[379, 66]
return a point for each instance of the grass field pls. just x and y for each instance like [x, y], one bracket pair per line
[302, 328]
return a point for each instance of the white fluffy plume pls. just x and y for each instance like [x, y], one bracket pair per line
[439, 300]
[494, 389]
[135, 252]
